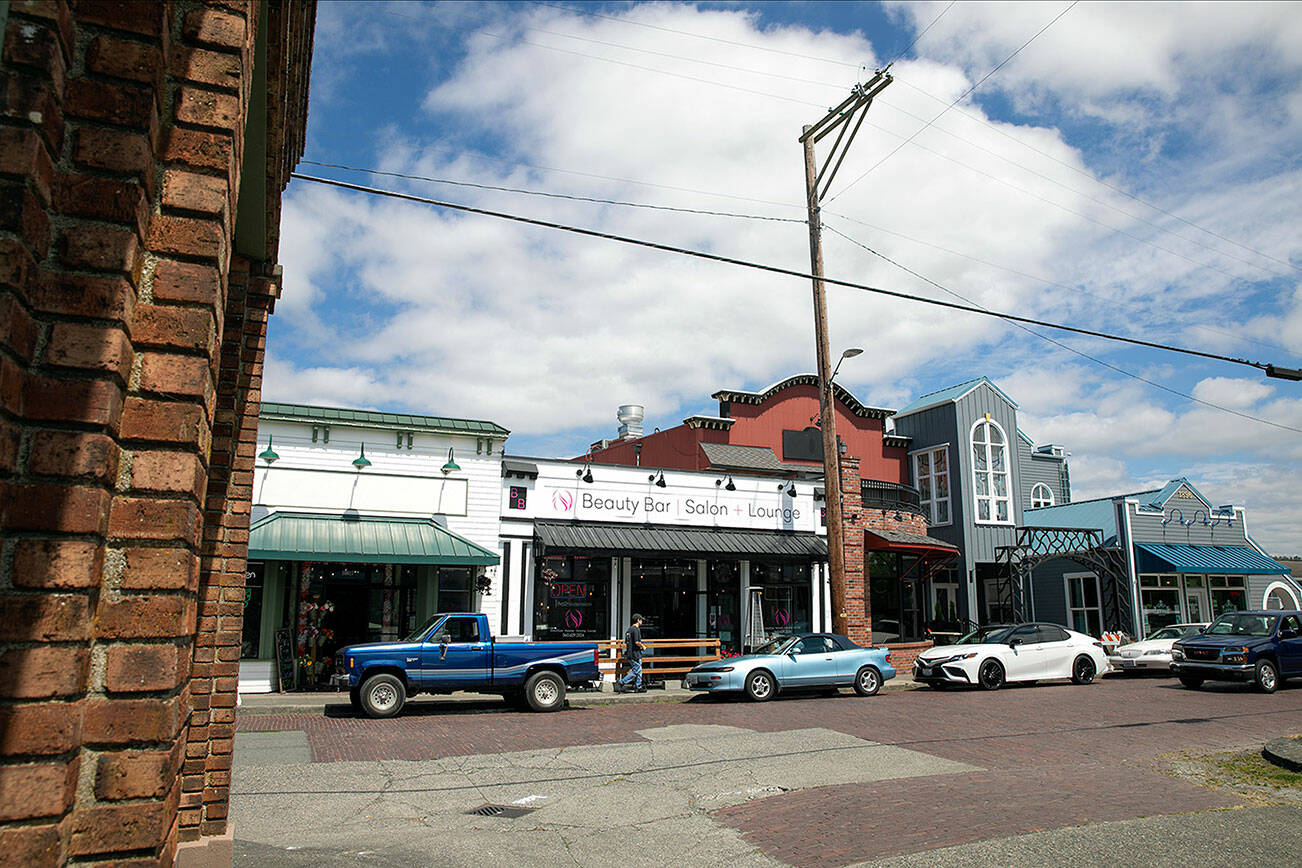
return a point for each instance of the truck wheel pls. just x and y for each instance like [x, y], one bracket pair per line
[383, 696]
[544, 691]
[1266, 676]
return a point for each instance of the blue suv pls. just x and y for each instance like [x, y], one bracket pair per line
[1261, 647]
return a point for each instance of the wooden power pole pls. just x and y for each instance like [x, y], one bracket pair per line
[817, 182]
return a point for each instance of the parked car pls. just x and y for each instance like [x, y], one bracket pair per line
[992, 656]
[1263, 647]
[456, 651]
[1154, 653]
[797, 662]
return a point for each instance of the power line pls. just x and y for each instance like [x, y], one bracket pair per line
[548, 195]
[1062, 345]
[918, 38]
[728, 260]
[960, 98]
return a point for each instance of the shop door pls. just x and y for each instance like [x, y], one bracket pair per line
[1197, 605]
[723, 604]
[664, 592]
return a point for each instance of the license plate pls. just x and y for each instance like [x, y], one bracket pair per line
[1127, 664]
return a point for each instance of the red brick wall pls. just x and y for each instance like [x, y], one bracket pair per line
[129, 379]
[858, 613]
[903, 655]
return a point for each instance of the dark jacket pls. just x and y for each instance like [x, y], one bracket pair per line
[632, 642]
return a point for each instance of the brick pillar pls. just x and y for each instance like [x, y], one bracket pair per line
[858, 617]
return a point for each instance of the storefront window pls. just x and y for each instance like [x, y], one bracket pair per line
[722, 606]
[251, 646]
[787, 596]
[1084, 613]
[664, 592]
[454, 590]
[344, 604]
[572, 598]
[1160, 598]
[1229, 594]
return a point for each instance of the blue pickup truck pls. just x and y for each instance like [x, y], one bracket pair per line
[1261, 647]
[456, 651]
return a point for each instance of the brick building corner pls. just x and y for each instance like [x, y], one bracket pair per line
[137, 273]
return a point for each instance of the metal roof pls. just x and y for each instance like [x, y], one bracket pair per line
[853, 404]
[633, 539]
[905, 539]
[298, 536]
[952, 393]
[523, 469]
[1181, 558]
[749, 458]
[373, 419]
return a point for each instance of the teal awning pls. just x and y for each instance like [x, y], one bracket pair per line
[1177, 558]
[299, 536]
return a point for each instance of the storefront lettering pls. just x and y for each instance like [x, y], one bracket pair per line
[785, 513]
[653, 506]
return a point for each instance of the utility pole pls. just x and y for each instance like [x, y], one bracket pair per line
[817, 182]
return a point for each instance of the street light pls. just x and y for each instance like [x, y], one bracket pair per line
[845, 354]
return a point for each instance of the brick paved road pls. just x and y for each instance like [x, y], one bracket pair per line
[1052, 756]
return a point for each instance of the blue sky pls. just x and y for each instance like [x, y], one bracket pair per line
[1134, 169]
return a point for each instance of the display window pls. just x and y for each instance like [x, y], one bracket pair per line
[787, 596]
[572, 598]
[1160, 598]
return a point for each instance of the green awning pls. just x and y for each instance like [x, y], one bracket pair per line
[1179, 558]
[299, 536]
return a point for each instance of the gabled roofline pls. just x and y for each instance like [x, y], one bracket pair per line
[909, 410]
[853, 404]
[274, 411]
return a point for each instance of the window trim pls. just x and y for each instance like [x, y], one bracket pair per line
[1275, 586]
[1036, 487]
[1007, 473]
[931, 504]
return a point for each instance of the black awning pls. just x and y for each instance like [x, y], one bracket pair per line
[649, 539]
[522, 469]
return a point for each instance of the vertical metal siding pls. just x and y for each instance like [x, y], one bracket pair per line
[981, 539]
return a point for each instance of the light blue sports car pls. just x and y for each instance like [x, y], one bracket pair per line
[803, 661]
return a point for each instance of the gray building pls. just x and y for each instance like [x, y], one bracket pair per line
[1158, 557]
[977, 474]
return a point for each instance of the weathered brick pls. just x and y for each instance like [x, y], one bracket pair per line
[166, 421]
[131, 16]
[33, 790]
[17, 328]
[33, 845]
[53, 507]
[16, 265]
[36, 47]
[72, 453]
[206, 108]
[43, 672]
[179, 472]
[124, 721]
[91, 347]
[97, 402]
[101, 248]
[30, 100]
[199, 149]
[97, 198]
[137, 668]
[172, 374]
[186, 236]
[21, 213]
[193, 192]
[57, 564]
[44, 617]
[22, 153]
[214, 68]
[160, 569]
[210, 27]
[84, 295]
[9, 441]
[186, 282]
[121, 58]
[144, 518]
[114, 151]
[123, 105]
[107, 828]
[175, 327]
[136, 774]
[40, 728]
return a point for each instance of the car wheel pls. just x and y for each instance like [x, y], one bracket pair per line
[544, 691]
[760, 686]
[1266, 676]
[1193, 682]
[355, 698]
[383, 696]
[991, 675]
[868, 681]
[1083, 670]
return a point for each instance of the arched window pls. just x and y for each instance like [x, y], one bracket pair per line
[1041, 495]
[990, 483]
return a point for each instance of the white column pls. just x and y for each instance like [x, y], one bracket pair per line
[815, 598]
[701, 588]
[626, 593]
[526, 590]
[616, 589]
[744, 598]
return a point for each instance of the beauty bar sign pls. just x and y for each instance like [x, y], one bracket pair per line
[750, 510]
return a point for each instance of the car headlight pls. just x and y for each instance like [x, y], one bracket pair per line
[720, 669]
[967, 656]
[1177, 653]
[1235, 655]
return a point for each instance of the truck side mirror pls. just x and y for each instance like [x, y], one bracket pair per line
[1288, 634]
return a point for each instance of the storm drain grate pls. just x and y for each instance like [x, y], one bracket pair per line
[500, 811]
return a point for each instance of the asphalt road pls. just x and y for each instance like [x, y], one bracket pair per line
[1046, 775]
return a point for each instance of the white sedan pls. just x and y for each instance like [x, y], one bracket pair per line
[1154, 653]
[991, 657]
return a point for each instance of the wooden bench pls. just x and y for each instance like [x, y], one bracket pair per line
[663, 657]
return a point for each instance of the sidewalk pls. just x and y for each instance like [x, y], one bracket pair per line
[316, 703]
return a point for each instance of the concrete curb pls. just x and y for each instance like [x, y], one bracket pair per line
[1284, 752]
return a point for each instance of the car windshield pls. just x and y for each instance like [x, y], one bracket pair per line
[1168, 633]
[1242, 624]
[776, 646]
[986, 635]
[419, 632]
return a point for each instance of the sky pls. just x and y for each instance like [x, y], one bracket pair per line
[1125, 167]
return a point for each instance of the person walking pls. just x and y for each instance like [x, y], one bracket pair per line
[633, 648]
